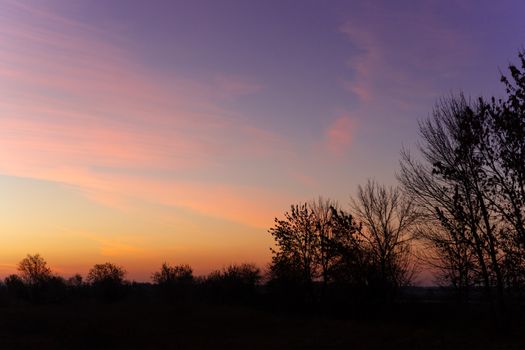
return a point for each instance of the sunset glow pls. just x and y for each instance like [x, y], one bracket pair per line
[140, 132]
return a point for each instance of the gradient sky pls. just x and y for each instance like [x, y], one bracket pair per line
[139, 132]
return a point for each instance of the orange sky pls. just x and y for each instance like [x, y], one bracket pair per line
[139, 133]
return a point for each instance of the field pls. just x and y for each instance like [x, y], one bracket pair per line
[152, 325]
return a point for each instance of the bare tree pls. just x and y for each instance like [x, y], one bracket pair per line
[170, 275]
[449, 257]
[34, 270]
[351, 263]
[106, 273]
[452, 186]
[322, 210]
[107, 281]
[317, 242]
[387, 217]
[502, 148]
[304, 238]
[443, 228]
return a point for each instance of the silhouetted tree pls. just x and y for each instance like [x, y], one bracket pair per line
[174, 281]
[322, 210]
[42, 285]
[245, 274]
[285, 277]
[76, 286]
[387, 218]
[33, 270]
[234, 283]
[444, 228]
[449, 256]
[75, 281]
[503, 152]
[351, 260]
[472, 183]
[169, 275]
[16, 287]
[453, 187]
[108, 280]
[101, 273]
[298, 244]
[317, 242]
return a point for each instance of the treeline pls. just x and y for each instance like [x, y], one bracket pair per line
[324, 253]
[36, 283]
[459, 211]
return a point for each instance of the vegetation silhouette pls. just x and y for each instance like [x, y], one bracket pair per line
[470, 185]
[388, 218]
[34, 270]
[320, 248]
[35, 281]
[175, 283]
[107, 281]
[235, 283]
[459, 211]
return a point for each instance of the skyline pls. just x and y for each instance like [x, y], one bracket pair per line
[138, 133]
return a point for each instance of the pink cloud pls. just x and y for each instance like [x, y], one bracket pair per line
[304, 179]
[234, 86]
[338, 135]
[77, 109]
[360, 88]
[366, 63]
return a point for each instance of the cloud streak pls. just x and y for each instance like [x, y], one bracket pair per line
[402, 56]
[339, 134]
[75, 108]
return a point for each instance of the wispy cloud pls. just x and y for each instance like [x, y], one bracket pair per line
[339, 134]
[365, 63]
[234, 86]
[114, 247]
[402, 55]
[76, 108]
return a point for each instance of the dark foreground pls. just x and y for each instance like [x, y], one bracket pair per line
[142, 325]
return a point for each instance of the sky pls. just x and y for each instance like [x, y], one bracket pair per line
[138, 132]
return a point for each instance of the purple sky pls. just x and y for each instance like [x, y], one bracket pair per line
[217, 115]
